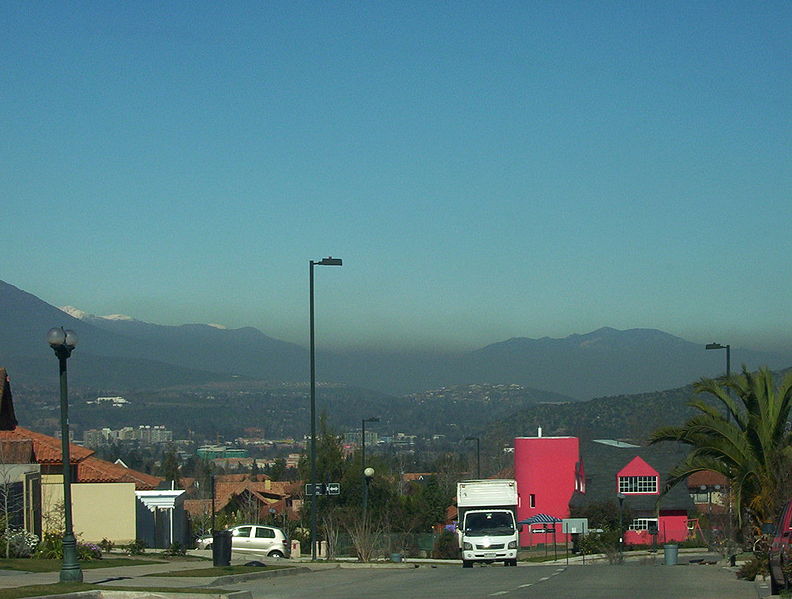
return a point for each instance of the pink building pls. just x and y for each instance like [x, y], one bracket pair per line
[550, 476]
[639, 484]
[548, 471]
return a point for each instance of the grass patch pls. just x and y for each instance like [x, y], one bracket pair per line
[220, 571]
[54, 565]
[39, 590]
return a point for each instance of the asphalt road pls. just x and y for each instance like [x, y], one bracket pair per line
[554, 582]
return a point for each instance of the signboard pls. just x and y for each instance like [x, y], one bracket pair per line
[311, 489]
[573, 526]
[323, 489]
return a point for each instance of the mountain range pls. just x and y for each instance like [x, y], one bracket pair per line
[121, 352]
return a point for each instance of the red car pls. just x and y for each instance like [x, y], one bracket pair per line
[781, 552]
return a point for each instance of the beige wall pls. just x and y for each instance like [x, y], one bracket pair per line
[99, 510]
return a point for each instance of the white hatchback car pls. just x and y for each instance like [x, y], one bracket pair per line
[254, 538]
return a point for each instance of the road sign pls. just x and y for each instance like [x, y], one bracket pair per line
[333, 488]
[575, 525]
[318, 489]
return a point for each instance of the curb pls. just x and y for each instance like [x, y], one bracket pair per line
[113, 594]
[235, 578]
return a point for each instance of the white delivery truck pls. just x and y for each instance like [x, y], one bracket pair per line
[486, 528]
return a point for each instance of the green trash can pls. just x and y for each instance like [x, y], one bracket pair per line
[396, 557]
[670, 554]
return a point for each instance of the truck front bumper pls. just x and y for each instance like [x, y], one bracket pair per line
[486, 555]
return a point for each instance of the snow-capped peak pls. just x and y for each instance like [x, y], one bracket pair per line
[77, 313]
[217, 326]
[83, 315]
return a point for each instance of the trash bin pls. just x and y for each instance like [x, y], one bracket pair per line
[221, 548]
[670, 553]
[396, 557]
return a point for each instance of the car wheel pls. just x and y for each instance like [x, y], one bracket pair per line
[277, 554]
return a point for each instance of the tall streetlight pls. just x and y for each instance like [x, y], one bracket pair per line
[329, 261]
[63, 342]
[728, 354]
[620, 497]
[728, 367]
[478, 454]
[363, 458]
[368, 474]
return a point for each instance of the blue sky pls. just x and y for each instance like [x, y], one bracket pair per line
[485, 169]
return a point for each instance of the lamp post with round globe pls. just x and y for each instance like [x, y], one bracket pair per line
[63, 342]
[368, 474]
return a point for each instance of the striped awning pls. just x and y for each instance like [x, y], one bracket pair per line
[540, 519]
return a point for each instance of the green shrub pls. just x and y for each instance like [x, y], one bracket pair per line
[136, 547]
[753, 567]
[19, 543]
[106, 545]
[176, 549]
[50, 547]
[446, 546]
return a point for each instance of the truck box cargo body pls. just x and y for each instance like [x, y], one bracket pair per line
[487, 528]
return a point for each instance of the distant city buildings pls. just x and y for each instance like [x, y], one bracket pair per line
[116, 402]
[144, 434]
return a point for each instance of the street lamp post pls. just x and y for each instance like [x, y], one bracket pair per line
[478, 454]
[621, 497]
[727, 347]
[329, 261]
[368, 474]
[363, 458]
[63, 342]
[728, 354]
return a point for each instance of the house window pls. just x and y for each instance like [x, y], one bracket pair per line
[532, 500]
[643, 524]
[637, 484]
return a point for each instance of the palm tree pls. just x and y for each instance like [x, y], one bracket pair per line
[749, 444]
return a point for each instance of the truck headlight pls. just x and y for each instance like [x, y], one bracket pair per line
[512, 544]
[467, 546]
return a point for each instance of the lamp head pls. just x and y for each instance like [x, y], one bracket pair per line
[330, 261]
[715, 346]
[60, 337]
[372, 419]
[368, 472]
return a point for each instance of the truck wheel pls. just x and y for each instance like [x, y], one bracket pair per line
[467, 563]
[511, 562]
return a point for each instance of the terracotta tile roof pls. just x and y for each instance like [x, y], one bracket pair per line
[46, 449]
[228, 478]
[94, 470]
[198, 507]
[263, 491]
[707, 478]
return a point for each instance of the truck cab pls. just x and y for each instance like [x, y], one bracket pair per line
[487, 527]
[489, 536]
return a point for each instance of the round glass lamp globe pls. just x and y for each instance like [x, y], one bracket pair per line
[368, 472]
[56, 336]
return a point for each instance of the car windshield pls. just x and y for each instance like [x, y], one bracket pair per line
[489, 523]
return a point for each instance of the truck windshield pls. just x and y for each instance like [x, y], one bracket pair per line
[489, 523]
